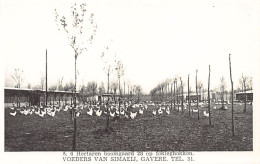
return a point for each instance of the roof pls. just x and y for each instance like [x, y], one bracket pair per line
[26, 89]
[248, 91]
[109, 94]
[20, 89]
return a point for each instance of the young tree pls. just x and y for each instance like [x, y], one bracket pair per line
[182, 98]
[114, 87]
[60, 84]
[92, 88]
[138, 91]
[189, 92]
[18, 77]
[101, 89]
[200, 87]
[29, 86]
[209, 97]
[80, 32]
[68, 86]
[232, 93]
[171, 94]
[42, 80]
[120, 72]
[244, 83]
[222, 90]
[53, 88]
[204, 90]
[174, 93]
[108, 63]
[177, 92]
[197, 94]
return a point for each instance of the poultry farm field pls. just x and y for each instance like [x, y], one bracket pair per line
[146, 132]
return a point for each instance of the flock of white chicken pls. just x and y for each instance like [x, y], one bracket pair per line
[127, 109]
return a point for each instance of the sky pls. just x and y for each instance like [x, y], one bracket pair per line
[155, 40]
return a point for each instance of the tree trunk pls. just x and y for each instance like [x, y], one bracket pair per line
[232, 94]
[108, 113]
[46, 81]
[119, 99]
[177, 92]
[182, 98]
[209, 97]
[197, 96]
[174, 95]
[171, 96]
[245, 97]
[189, 93]
[74, 141]
[222, 98]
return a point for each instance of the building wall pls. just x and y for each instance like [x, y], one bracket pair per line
[241, 97]
[15, 96]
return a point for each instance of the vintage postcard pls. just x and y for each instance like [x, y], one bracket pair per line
[166, 81]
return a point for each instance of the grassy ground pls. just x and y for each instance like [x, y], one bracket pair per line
[146, 132]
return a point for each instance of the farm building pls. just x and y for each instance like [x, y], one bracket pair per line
[240, 96]
[105, 97]
[193, 97]
[35, 97]
[202, 97]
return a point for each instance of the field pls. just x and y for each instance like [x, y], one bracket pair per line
[174, 132]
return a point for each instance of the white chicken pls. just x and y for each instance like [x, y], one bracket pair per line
[126, 116]
[160, 111]
[77, 114]
[214, 107]
[66, 108]
[90, 112]
[44, 111]
[25, 112]
[195, 110]
[53, 113]
[133, 115]
[13, 114]
[98, 112]
[168, 111]
[141, 111]
[58, 109]
[163, 108]
[42, 114]
[112, 114]
[206, 114]
[37, 112]
[122, 111]
[154, 112]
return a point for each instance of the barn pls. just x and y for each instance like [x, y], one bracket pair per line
[193, 97]
[19, 96]
[240, 96]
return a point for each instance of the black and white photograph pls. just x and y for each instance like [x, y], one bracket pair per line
[171, 81]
